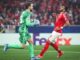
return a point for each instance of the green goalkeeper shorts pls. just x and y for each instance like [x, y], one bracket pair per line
[24, 37]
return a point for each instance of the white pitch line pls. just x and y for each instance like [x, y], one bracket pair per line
[63, 51]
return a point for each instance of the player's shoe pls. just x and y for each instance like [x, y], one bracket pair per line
[60, 54]
[32, 58]
[38, 57]
[5, 47]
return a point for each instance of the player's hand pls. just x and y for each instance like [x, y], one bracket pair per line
[36, 22]
[58, 28]
[61, 27]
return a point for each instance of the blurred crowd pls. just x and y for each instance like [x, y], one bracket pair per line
[44, 11]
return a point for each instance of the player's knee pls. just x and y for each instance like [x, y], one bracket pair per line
[23, 46]
[52, 41]
[30, 41]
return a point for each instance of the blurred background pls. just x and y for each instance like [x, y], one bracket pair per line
[44, 12]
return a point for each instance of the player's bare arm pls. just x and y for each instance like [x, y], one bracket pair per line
[67, 20]
[67, 23]
[58, 28]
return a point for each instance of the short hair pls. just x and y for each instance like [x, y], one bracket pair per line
[65, 8]
[27, 5]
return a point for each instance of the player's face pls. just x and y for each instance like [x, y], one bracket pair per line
[61, 8]
[31, 7]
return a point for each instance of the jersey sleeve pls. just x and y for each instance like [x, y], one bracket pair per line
[29, 22]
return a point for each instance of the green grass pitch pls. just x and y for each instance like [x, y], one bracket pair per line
[70, 53]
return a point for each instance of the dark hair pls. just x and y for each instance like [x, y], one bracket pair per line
[66, 9]
[27, 5]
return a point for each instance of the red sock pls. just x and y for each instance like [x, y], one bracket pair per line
[46, 46]
[55, 46]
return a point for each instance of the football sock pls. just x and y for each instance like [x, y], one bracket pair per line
[31, 50]
[46, 46]
[16, 46]
[55, 46]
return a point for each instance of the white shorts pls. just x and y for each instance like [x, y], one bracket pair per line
[53, 36]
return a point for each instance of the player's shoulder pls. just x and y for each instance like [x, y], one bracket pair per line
[25, 12]
[60, 14]
[63, 14]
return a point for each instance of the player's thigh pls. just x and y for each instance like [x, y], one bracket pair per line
[53, 36]
[30, 40]
[23, 37]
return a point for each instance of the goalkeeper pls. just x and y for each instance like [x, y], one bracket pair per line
[25, 22]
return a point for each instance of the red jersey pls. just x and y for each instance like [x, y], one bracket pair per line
[60, 21]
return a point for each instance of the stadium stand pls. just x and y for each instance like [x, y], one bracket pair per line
[44, 11]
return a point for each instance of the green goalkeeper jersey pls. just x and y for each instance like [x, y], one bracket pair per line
[25, 21]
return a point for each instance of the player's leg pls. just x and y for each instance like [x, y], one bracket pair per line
[31, 47]
[17, 46]
[54, 45]
[48, 42]
[45, 48]
[14, 46]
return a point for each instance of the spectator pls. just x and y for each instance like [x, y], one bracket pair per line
[45, 10]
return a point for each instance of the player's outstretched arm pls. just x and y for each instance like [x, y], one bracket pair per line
[67, 20]
[32, 23]
[58, 28]
[67, 23]
[29, 23]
